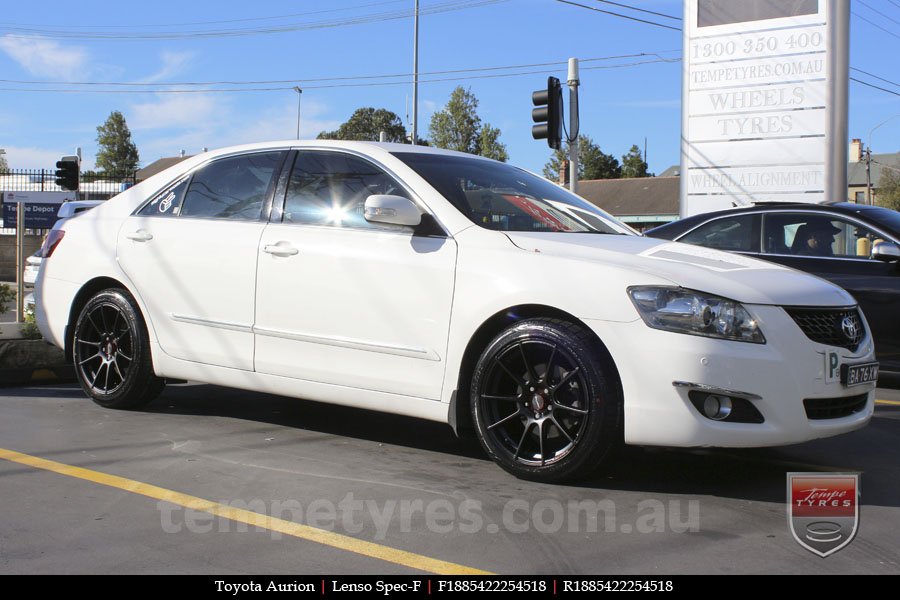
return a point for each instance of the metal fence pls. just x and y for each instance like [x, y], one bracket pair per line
[93, 186]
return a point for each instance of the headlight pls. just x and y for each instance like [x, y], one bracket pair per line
[695, 313]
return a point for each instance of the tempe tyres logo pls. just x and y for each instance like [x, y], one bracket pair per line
[823, 510]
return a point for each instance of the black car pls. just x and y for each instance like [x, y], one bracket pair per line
[854, 246]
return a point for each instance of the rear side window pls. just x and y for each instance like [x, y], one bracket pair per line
[232, 188]
[736, 234]
[167, 203]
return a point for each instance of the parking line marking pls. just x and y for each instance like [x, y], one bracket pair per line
[888, 402]
[304, 532]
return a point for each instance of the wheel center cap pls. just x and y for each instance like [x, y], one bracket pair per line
[538, 402]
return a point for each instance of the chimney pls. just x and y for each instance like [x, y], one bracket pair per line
[564, 173]
[856, 150]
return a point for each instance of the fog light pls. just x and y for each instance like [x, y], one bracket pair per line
[716, 407]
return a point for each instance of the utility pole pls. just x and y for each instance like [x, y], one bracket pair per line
[299, 95]
[573, 125]
[868, 175]
[415, 117]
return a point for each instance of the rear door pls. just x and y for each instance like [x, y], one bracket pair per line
[191, 253]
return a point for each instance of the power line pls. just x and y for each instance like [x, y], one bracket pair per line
[874, 24]
[895, 3]
[615, 14]
[307, 80]
[327, 86]
[875, 76]
[192, 23]
[875, 86]
[875, 10]
[27, 33]
[643, 10]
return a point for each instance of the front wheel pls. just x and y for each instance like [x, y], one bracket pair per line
[545, 401]
[112, 352]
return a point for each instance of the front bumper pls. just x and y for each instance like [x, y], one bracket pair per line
[776, 377]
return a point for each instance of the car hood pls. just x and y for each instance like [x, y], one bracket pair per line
[733, 276]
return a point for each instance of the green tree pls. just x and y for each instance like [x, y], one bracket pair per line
[4, 166]
[633, 164]
[458, 127]
[888, 194]
[365, 124]
[593, 163]
[117, 155]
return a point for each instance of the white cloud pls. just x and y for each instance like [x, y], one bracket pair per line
[44, 57]
[173, 63]
[22, 157]
[187, 111]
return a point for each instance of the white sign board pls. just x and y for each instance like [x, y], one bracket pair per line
[758, 117]
[38, 197]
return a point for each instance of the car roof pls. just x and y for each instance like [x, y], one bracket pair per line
[364, 147]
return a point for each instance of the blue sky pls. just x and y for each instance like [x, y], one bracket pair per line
[620, 105]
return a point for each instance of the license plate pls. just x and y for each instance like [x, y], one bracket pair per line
[852, 375]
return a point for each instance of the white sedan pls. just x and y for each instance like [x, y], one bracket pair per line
[453, 288]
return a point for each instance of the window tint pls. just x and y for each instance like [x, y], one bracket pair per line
[738, 233]
[231, 188]
[819, 235]
[167, 203]
[330, 188]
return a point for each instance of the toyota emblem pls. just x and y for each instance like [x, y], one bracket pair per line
[848, 326]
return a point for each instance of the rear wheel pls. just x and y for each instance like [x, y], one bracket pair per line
[111, 350]
[545, 401]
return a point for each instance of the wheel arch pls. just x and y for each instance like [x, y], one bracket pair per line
[460, 415]
[81, 298]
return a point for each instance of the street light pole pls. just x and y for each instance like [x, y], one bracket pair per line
[415, 115]
[299, 95]
[869, 157]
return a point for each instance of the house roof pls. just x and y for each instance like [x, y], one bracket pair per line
[158, 166]
[856, 171]
[633, 197]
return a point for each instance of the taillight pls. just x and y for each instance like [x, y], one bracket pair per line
[53, 239]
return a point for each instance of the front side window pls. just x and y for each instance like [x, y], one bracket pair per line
[232, 188]
[499, 196]
[737, 234]
[167, 203]
[330, 188]
[817, 235]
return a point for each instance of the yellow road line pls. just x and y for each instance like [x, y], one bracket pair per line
[304, 532]
[888, 402]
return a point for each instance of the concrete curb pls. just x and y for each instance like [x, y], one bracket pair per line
[32, 361]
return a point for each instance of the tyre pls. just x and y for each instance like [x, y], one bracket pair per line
[546, 402]
[111, 352]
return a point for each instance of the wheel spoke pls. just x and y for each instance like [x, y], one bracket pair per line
[116, 365]
[522, 440]
[565, 378]
[570, 409]
[96, 375]
[531, 376]
[549, 370]
[500, 398]
[504, 420]
[510, 373]
[103, 319]
[94, 325]
[115, 322]
[562, 429]
[91, 357]
[80, 341]
[540, 425]
[120, 354]
[106, 381]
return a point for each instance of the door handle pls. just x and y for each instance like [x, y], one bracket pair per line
[140, 236]
[280, 249]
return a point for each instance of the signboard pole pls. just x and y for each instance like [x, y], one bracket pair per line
[20, 262]
[836, 133]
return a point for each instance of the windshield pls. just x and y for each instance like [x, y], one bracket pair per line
[887, 218]
[498, 196]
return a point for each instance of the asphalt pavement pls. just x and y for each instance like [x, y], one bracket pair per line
[212, 480]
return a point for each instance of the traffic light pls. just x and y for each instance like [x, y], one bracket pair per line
[67, 173]
[548, 113]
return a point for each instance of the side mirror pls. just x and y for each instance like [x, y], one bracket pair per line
[886, 251]
[394, 210]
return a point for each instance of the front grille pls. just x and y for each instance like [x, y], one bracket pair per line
[840, 327]
[834, 408]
